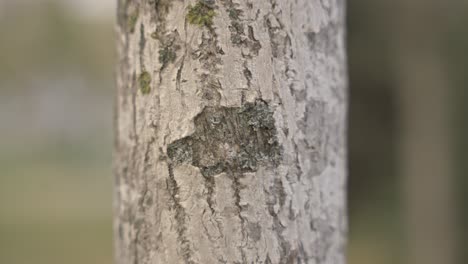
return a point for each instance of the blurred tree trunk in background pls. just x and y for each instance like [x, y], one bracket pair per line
[426, 147]
[230, 132]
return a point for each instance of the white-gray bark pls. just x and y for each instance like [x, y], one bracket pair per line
[230, 132]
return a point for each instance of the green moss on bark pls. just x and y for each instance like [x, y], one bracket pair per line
[144, 80]
[132, 20]
[201, 14]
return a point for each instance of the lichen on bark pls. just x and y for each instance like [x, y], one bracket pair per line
[132, 20]
[201, 14]
[144, 80]
[237, 27]
[234, 139]
[167, 55]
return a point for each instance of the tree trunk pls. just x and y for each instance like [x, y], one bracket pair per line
[230, 132]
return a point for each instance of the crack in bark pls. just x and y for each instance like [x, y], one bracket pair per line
[281, 46]
[180, 216]
[237, 187]
[146, 167]
[179, 73]
[237, 29]
[159, 13]
[134, 127]
[142, 202]
[247, 74]
[208, 55]
[142, 45]
[239, 38]
[135, 245]
[181, 67]
[210, 185]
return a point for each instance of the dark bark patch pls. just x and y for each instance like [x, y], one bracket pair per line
[229, 139]
[167, 55]
[255, 231]
[158, 15]
[180, 216]
[279, 189]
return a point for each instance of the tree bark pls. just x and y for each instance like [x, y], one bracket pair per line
[230, 132]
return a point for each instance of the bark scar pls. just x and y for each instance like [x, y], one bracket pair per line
[229, 139]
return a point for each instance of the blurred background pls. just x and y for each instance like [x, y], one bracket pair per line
[408, 64]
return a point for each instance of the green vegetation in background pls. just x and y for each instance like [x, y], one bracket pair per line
[376, 229]
[56, 204]
[456, 43]
[56, 242]
[46, 38]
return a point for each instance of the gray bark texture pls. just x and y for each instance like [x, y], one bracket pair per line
[230, 132]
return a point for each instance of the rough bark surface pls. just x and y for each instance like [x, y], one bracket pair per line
[230, 132]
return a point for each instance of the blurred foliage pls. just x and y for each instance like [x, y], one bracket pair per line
[44, 36]
[55, 204]
[55, 190]
[456, 45]
[375, 212]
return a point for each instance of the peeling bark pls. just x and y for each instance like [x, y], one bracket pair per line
[230, 132]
